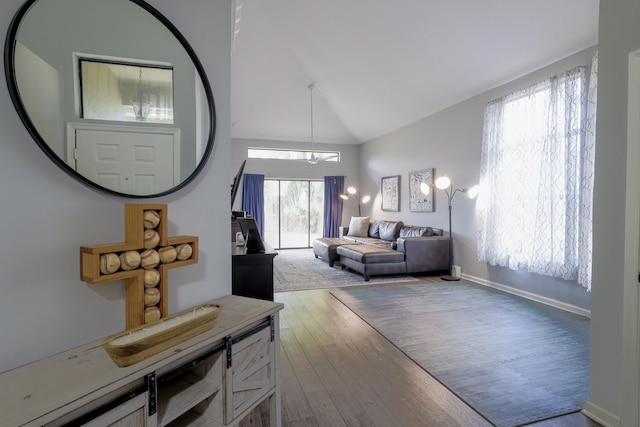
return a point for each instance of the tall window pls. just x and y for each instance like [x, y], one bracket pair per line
[536, 188]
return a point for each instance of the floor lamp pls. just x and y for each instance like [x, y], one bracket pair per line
[355, 193]
[444, 183]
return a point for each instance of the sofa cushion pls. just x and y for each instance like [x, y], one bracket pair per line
[415, 231]
[381, 243]
[368, 241]
[374, 229]
[359, 226]
[389, 230]
[368, 254]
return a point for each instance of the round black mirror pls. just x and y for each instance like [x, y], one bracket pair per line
[112, 93]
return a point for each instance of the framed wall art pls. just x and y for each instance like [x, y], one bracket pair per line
[418, 201]
[390, 190]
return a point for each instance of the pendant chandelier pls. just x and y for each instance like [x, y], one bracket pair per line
[141, 104]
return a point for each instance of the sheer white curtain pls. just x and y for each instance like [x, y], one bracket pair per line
[585, 243]
[536, 180]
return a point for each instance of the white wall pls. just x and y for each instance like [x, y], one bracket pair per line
[619, 36]
[46, 216]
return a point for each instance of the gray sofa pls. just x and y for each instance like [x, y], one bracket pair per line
[386, 247]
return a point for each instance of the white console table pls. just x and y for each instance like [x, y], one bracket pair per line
[213, 379]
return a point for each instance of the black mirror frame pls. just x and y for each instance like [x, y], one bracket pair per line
[9, 67]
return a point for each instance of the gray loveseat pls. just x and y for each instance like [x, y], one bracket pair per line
[375, 247]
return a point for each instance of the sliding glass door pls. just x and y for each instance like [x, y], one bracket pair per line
[293, 212]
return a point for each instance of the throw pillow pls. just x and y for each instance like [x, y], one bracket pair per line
[390, 230]
[359, 226]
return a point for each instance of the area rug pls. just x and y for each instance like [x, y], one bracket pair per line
[299, 269]
[513, 360]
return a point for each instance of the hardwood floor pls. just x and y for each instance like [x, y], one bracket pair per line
[338, 371]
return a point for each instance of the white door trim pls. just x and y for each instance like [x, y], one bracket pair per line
[631, 318]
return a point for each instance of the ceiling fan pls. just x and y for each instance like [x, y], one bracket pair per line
[315, 158]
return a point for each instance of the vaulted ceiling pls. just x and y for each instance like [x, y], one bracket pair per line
[379, 65]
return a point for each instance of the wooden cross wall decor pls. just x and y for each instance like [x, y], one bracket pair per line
[143, 260]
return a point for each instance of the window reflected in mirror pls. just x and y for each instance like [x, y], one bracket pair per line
[126, 92]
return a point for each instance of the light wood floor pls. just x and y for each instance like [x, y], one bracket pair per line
[338, 371]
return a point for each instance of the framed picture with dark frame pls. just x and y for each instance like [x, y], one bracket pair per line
[418, 201]
[390, 190]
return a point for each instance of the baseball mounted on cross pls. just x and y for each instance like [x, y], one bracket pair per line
[143, 260]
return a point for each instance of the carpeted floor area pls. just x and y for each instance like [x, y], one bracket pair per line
[513, 360]
[299, 269]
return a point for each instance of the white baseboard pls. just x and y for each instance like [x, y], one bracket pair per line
[601, 416]
[529, 295]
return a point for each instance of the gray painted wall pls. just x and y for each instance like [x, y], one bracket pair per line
[450, 141]
[46, 216]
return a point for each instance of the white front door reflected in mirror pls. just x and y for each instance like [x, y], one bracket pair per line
[135, 163]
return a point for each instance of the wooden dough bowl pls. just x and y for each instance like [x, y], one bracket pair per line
[136, 344]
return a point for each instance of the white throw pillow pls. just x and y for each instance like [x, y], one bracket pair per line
[359, 226]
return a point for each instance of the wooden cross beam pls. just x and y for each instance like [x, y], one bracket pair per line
[143, 261]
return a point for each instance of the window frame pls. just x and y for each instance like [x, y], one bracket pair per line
[292, 154]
